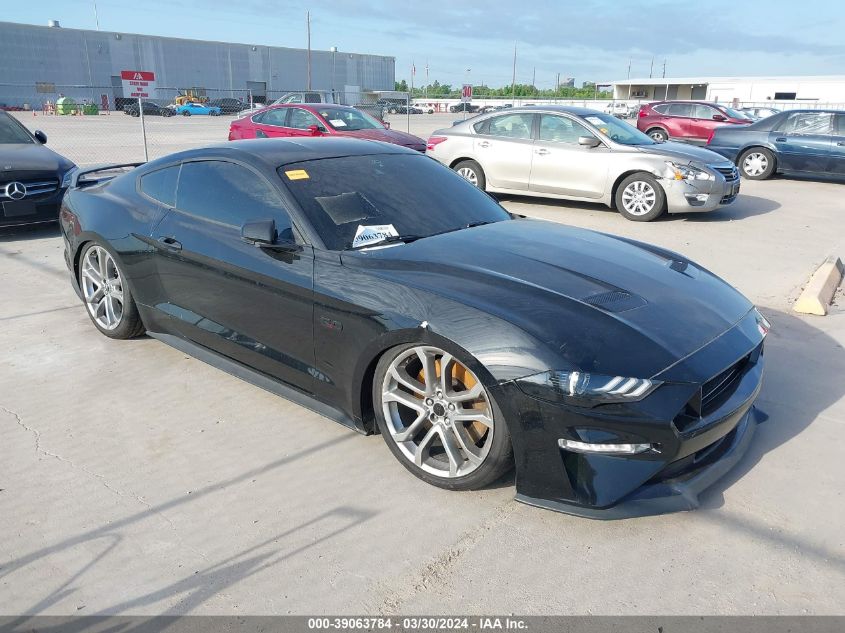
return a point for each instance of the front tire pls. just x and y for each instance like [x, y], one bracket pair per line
[640, 198]
[757, 163]
[471, 171]
[107, 297]
[439, 420]
[186, 113]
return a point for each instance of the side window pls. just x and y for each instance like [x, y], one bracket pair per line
[679, 109]
[275, 116]
[808, 123]
[481, 127]
[511, 126]
[700, 111]
[161, 185]
[840, 124]
[561, 129]
[300, 119]
[228, 194]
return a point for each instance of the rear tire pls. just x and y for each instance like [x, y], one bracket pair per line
[186, 113]
[640, 198]
[757, 163]
[439, 436]
[471, 171]
[658, 134]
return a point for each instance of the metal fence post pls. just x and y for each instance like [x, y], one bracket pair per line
[408, 111]
[143, 128]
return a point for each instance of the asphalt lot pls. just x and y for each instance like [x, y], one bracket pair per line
[135, 479]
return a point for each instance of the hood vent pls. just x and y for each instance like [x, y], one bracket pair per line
[615, 301]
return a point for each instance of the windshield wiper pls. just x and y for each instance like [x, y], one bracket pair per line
[390, 239]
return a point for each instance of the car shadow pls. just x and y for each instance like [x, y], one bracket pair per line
[29, 232]
[803, 378]
[830, 179]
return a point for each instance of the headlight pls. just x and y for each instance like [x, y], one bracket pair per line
[586, 389]
[68, 177]
[688, 172]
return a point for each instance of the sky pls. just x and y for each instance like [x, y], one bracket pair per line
[470, 41]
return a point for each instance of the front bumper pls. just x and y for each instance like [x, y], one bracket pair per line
[699, 423]
[35, 210]
[685, 196]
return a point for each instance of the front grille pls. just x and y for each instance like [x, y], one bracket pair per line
[730, 173]
[721, 384]
[34, 188]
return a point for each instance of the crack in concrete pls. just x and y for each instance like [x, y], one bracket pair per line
[101, 478]
[437, 571]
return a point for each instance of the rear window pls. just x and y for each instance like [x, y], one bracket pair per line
[414, 194]
[12, 132]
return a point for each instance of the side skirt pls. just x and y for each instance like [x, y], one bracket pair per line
[259, 380]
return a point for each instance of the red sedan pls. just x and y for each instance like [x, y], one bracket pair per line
[318, 120]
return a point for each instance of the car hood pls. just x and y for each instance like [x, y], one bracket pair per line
[684, 152]
[599, 302]
[31, 157]
[388, 136]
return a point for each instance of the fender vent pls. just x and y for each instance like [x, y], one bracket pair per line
[615, 301]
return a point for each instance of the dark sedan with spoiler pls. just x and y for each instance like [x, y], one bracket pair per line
[379, 288]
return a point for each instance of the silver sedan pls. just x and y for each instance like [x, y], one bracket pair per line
[582, 154]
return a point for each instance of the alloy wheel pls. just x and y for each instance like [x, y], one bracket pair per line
[639, 198]
[437, 412]
[755, 164]
[102, 287]
[469, 174]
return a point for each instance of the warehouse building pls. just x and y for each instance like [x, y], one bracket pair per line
[811, 89]
[40, 62]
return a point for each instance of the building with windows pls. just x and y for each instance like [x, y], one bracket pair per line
[812, 89]
[44, 62]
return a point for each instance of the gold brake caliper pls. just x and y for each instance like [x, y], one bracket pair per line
[465, 379]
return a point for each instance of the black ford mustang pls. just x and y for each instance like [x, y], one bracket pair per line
[377, 287]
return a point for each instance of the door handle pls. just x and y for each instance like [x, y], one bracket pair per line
[780, 139]
[171, 243]
[484, 144]
[543, 152]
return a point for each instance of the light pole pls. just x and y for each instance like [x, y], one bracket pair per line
[333, 49]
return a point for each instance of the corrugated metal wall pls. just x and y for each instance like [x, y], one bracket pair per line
[70, 57]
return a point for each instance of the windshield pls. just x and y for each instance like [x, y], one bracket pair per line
[349, 120]
[617, 130]
[385, 194]
[12, 132]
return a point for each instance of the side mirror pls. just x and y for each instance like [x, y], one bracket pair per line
[314, 129]
[40, 137]
[589, 141]
[386, 125]
[259, 232]
[720, 117]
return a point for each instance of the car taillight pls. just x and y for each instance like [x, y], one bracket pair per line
[643, 112]
[710, 136]
[434, 141]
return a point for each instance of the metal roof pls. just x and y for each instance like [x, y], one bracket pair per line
[662, 81]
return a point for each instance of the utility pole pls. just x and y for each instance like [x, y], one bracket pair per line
[629, 68]
[308, 28]
[334, 52]
[651, 69]
[513, 79]
[426, 79]
[557, 83]
[664, 69]
[534, 77]
[96, 17]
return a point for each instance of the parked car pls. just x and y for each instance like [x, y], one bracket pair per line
[759, 113]
[228, 105]
[427, 108]
[583, 154]
[463, 107]
[305, 97]
[690, 121]
[191, 108]
[388, 294]
[150, 109]
[399, 108]
[802, 141]
[319, 120]
[619, 109]
[33, 179]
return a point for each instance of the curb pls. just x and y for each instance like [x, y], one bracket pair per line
[816, 297]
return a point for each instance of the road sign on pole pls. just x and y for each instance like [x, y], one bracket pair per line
[466, 93]
[138, 84]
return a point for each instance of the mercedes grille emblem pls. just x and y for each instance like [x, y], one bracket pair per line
[16, 190]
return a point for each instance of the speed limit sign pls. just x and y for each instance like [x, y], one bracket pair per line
[466, 93]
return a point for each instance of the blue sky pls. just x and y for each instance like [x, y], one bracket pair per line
[588, 39]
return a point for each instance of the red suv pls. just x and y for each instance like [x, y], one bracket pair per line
[691, 121]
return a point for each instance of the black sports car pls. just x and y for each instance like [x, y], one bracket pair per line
[150, 109]
[797, 141]
[33, 178]
[379, 288]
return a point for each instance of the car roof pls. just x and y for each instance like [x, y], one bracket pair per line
[275, 152]
[577, 111]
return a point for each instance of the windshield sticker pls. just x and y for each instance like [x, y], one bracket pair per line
[297, 174]
[338, 122]
[373, 234]
[594, 120]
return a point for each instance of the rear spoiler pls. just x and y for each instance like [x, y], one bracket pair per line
[78, 179]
